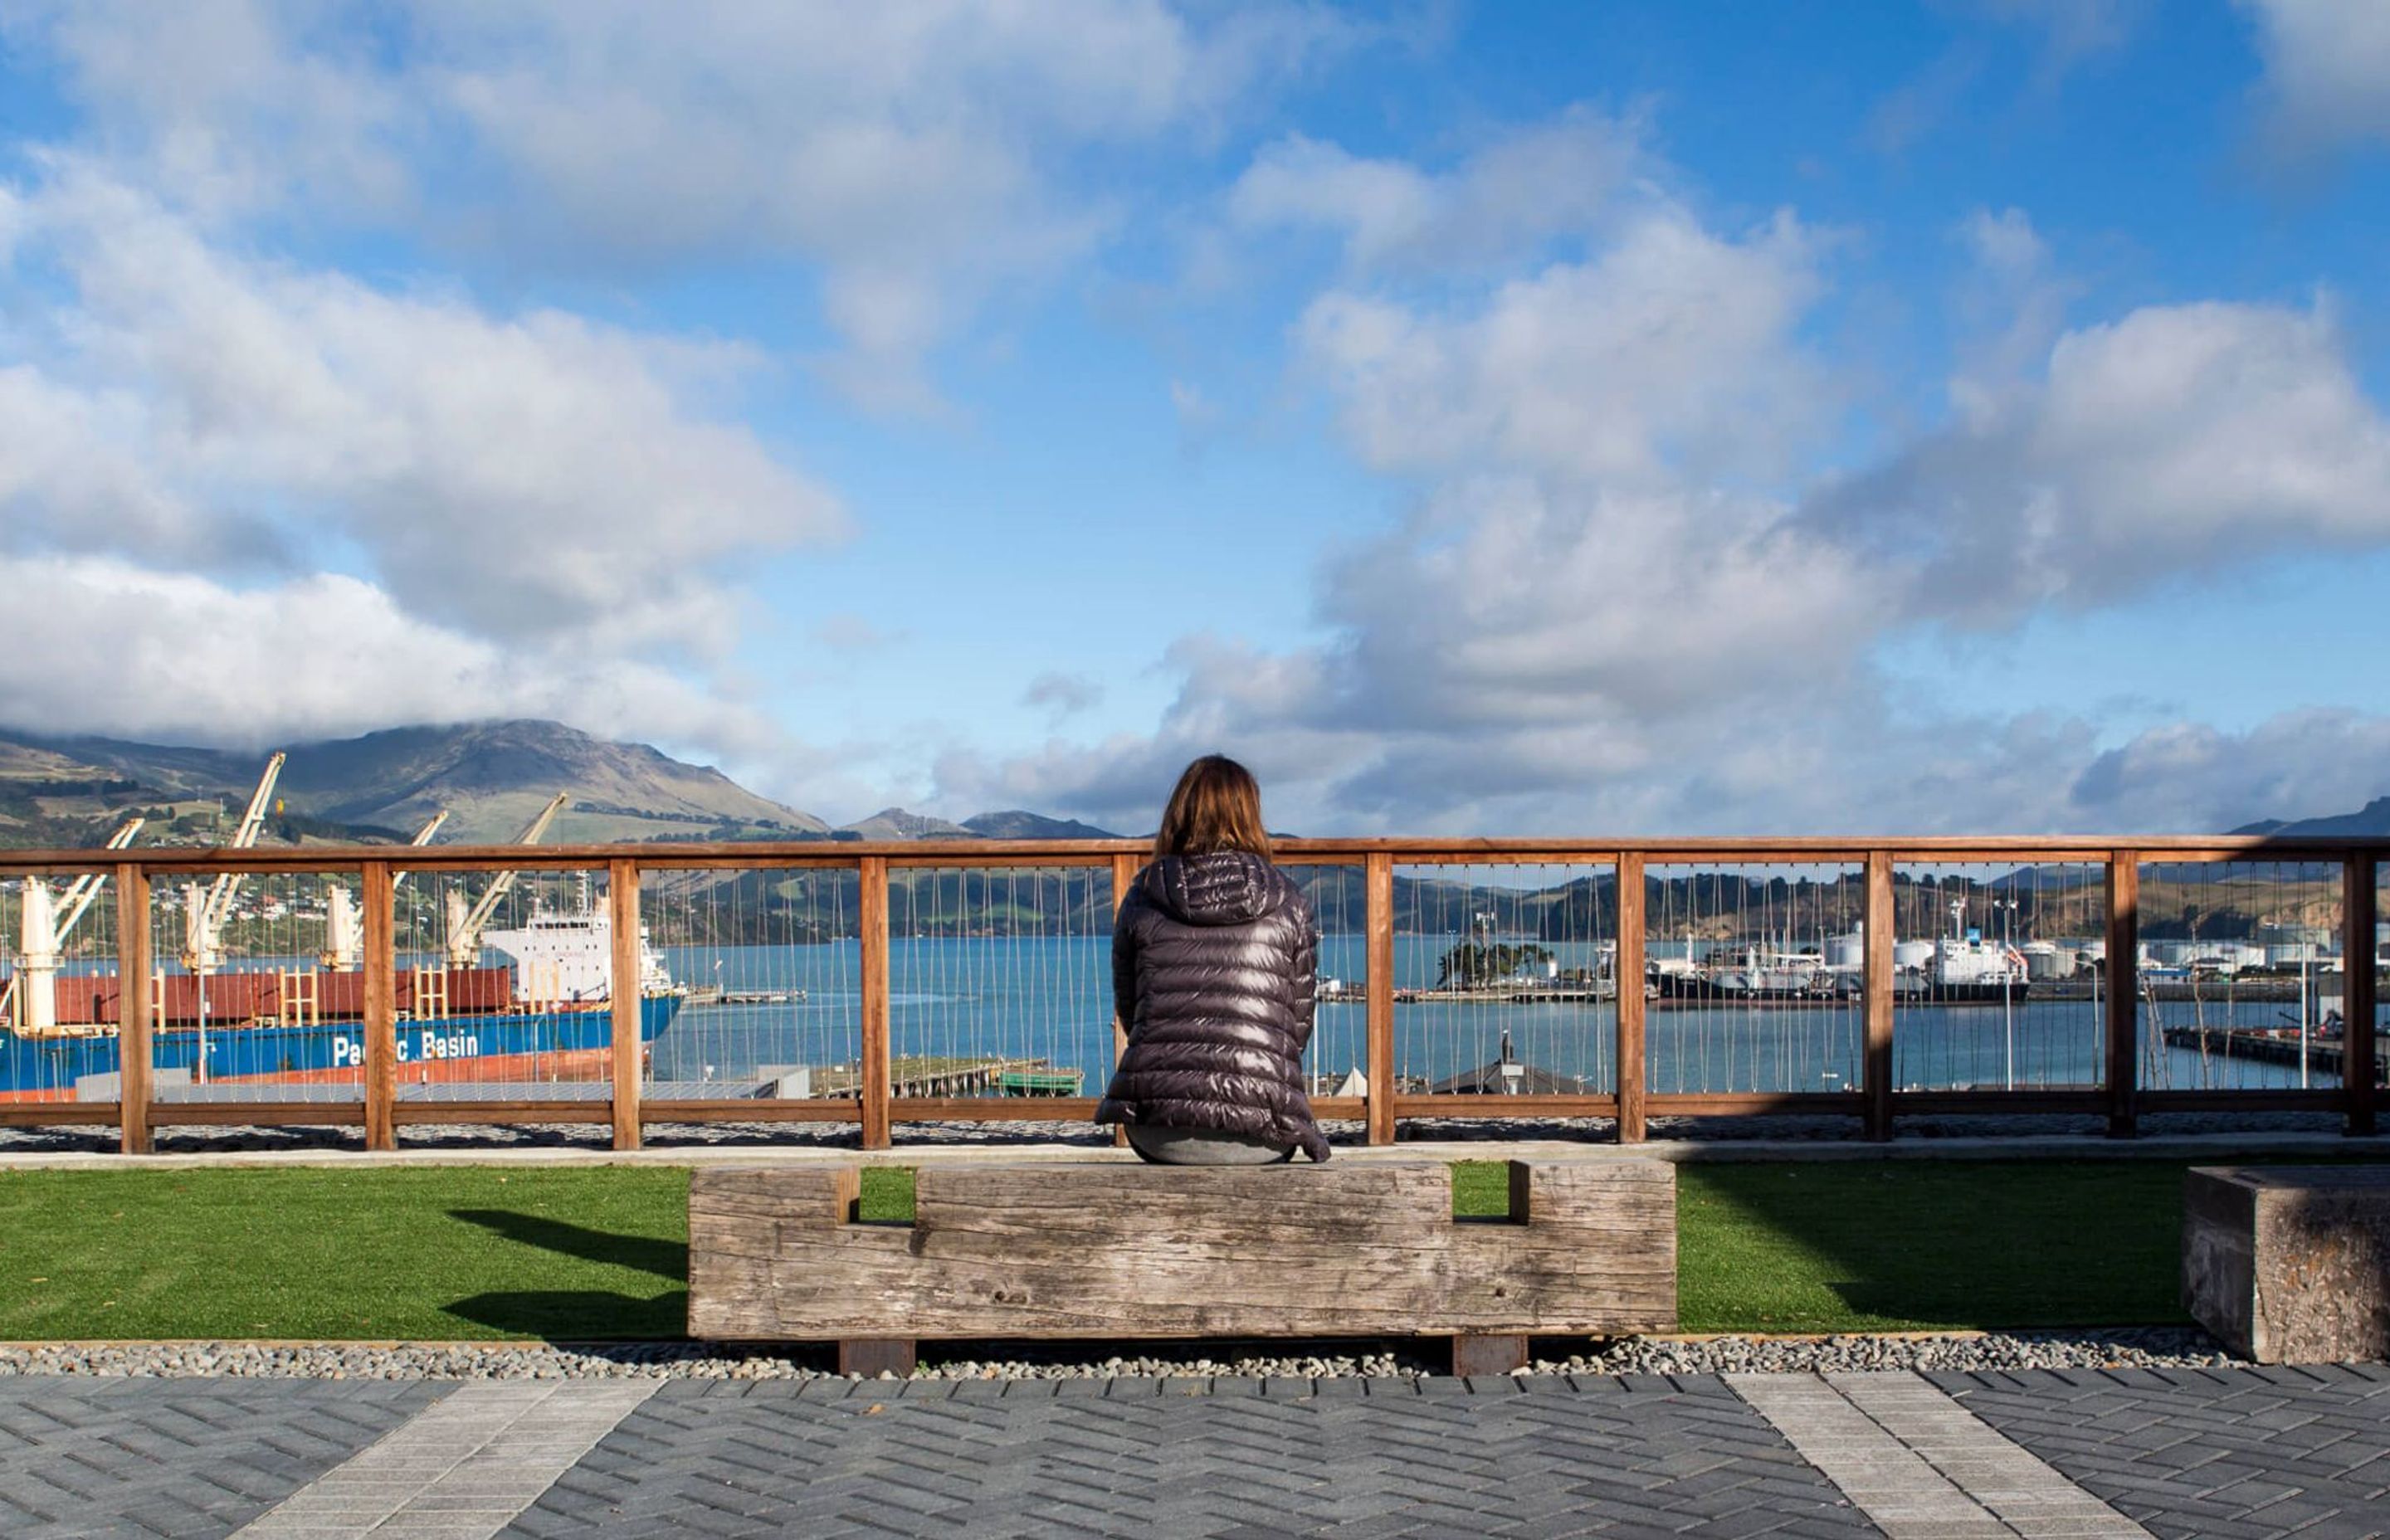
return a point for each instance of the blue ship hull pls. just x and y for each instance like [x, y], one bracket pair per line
[529, 1046]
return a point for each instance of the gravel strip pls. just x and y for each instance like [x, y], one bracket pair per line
[2138, 1348]
[997, 1135]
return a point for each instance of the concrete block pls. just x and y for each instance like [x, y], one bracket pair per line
[2290, 1265]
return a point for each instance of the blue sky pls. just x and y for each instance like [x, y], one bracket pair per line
[1669, 417]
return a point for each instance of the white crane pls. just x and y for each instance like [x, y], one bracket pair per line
[46, 922]
[422, 837]
[204, 914]
[465, 927]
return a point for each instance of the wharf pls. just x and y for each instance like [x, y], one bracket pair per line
[2262, 1046]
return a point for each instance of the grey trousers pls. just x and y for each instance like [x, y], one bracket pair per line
[1202, 1146]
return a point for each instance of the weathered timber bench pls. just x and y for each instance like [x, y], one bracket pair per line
[2290, 1265]
[1116, 1250]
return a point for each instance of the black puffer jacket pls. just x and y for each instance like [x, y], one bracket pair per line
[1215, 960]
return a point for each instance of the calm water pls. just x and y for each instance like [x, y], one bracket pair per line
[1051, 999]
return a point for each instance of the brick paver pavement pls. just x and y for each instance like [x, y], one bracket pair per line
[2230, 1454]
[1246, 1459]
[2216, 1452]
[141, 1458]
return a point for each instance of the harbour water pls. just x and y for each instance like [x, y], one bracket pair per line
[1051, 999]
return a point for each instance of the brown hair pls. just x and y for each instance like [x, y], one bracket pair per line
[1215, 806]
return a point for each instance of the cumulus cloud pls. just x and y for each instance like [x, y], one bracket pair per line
[2165, 444]
[102, 645]
[519, 477]
[1669, 349]
[2325, 64]
[1549, 180]
[912, 151]
[1063, 694]
[2189, 774]
[1617, 602]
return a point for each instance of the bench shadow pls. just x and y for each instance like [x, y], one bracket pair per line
[577, 1315]
[665, 1259]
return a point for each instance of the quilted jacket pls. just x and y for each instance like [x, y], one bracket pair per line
[1214, 964]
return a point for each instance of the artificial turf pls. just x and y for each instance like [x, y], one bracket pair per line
[601, 1252]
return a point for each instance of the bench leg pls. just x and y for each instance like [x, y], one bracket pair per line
[1487, 1355]
[873, 1356]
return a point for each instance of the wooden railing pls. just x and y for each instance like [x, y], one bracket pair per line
[1875, 1101]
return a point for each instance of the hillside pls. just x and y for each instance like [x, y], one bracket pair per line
[895, 823]
[1017, 824]
[2373, 818]
[491, 776]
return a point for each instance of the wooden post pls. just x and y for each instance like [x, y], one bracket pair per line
[2124, 991]
[1381, 967]
[622, 909]
[869, 1357]
[1627, 970]
[1479, 1355]
[1124, 870]
[1877, 931]
[133, 1016]
[379, 1021]
[2358, 995]
[872, 917]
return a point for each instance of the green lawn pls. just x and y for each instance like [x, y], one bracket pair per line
[601, 1252]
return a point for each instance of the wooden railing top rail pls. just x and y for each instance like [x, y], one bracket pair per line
[1802, 849]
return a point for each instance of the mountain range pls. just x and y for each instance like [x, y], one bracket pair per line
[491, 778]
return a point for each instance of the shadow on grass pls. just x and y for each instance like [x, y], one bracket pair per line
[582, 1315]
[665, 1259]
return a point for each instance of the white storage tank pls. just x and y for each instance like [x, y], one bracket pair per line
[2046, 961]
[1911, 953]
[1849, 951]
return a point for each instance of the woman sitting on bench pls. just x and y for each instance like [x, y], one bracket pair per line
[1215, 959]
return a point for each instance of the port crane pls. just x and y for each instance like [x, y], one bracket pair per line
[342, 930]
[465, 927]
[204, 913]
[43, 926]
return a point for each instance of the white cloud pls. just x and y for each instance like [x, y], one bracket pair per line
[1613, 605]
[1063, 694]
[101, 644]
[2188, 775]
[917, 153]
[1670, 350]
[2075, 29]
[523, 477]
[2171, 442]
[2326, 61]
[1554, 179]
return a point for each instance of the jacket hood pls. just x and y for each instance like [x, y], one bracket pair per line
[1227, 887]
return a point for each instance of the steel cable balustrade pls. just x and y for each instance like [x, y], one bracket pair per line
[883, 984]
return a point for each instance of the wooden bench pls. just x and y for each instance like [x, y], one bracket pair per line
[1120, 1250]
[2290, 1265]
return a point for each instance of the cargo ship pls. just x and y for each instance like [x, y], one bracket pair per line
[545, 1014]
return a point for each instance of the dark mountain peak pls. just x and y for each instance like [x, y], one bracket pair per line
[895, 823]
[1020, 823]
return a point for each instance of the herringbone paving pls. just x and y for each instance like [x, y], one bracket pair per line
[1236, 1459]
[2223, 1452]
[135, 1460]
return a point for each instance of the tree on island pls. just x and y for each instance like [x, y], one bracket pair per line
[1478, 962]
